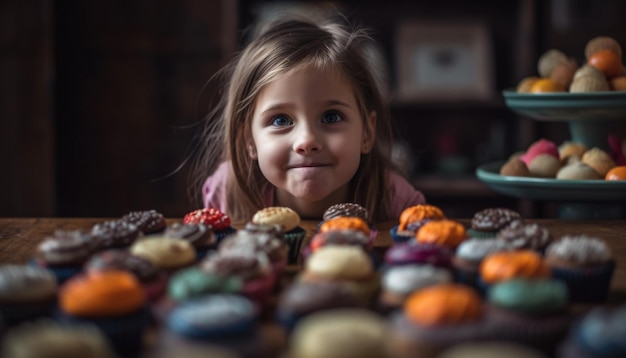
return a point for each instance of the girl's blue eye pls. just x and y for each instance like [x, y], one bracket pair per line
[281, 121]
[331, 117]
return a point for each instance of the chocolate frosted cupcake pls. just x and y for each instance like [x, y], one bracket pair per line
[26, 292]
[488, 222]
[148, 221]
[64, 253]
[152, 279]
[522, 236]
[289, 222]
[346, 209]
[199, 236]
[114, 234]
[584, 264]
[259, 240]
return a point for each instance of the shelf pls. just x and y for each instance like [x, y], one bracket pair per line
[496, 103]
[446, 185]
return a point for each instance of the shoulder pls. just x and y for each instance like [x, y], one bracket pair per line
[214, 188]
[402, 194]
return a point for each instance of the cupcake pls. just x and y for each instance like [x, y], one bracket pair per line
[350, 210]
[491, 350]
[46, 338]
[412, 218]
[113, 301]
[194, 282]
[584, 264]
[26, 292]
[436, 318]
[507, 265]
[346, 264]
[302, 299]
[149, 222]
[64, 253]
[114, 234]
[599, 334]
[410, 253]
[339, 237]
[526, 236]
[256, 241]
[167, 253]
[444, 232]
[214, 219]
[347, 223]
[252, 268]
[289, 222]
[340, 333]
[533, 312]
[152, 279]
[398, 282]
[470, 254]
[487, 222]
[199, 236]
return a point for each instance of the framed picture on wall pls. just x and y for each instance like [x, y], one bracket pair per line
[443, 61]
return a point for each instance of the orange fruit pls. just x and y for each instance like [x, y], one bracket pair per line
[526, 83]
[618, 83]
[608, 62]
[546, 85]
[617, 173]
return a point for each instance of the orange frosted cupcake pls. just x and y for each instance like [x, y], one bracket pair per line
[435, 318]
[507, 265]
[113, 301]
[412, 218]
[445, 232]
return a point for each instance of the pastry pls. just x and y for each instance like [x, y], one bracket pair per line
[470, 254]
[346, 209]
[412, 218]
[577, 171]
[487, 222]
[167, 253]
[64, 252]
[340, 333]
[214, 219]
[194, 282]
[148, 221]
[526, 236]
[198, 235]
[569, 149]
[544, 166]
[585, 264]
[289, 222]
[113, 301]
[599, 160]
[445, 232]
[268, 243]
[491, 350]
[409, 253]
[617, 173]
[507, 265]
[113, 234]
[542, 146]
[515, 167]
[26, 292]
[398, 282]
[345, 223]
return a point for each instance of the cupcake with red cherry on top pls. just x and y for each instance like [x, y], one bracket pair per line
[214, 219]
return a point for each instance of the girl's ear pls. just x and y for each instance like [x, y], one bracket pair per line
[369, 133]
[252, 151]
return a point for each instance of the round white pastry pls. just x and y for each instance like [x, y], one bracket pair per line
[340, 262]
[165, 252]
[409, 278]
[478, 249]
[283, 216]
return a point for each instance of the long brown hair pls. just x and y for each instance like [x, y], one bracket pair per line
[278, 47]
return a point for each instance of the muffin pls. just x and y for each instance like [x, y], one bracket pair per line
[270, 244]
[149, 222]
[470, 254]
[26, 292]
[113, 301]
[533, 312]
[302, 299]
[415, 253]
[526, 236]
[152, 279]
[214, 219]
[49, 339]
[340, 333]
[491, 350]
[487, 222]
[507, 265]
[167, 253]
[398, 282]
[348, 265]
[340, 237]
[577, 171]
[351, 210]
[584, 264]
[436, 318]
[444, 232]
[289, 222]
[64, 252]
[199, 236]
[412, 218]
[347, 223]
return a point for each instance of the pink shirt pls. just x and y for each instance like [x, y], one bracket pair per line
[402, 193]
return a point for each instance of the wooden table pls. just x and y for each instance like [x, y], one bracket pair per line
[20, 236]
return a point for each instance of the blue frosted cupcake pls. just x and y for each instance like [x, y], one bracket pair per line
[584, 264]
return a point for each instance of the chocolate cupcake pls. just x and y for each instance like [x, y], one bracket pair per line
[488, 222]
[199, 236]
[259, 240]
[26, 292]
[522, 236]
[114, 234]
[148, 221]
[64, 253]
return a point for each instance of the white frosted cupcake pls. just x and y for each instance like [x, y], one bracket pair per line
[398, 282]
[468, 256]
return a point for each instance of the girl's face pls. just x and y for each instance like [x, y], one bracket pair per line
[308, 137]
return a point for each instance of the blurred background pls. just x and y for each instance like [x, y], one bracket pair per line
[99, 100]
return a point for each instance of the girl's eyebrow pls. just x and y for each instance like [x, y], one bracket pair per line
[282, 106]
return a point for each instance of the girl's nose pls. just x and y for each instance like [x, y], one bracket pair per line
[306, 140]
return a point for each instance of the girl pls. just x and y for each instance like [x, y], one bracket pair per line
[302, 124]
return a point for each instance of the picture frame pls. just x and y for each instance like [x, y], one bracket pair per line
[443, 62]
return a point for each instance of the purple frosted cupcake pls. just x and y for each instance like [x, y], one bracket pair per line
[584, 264]
[418, 253]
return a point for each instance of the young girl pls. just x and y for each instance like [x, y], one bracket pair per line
[302, 124]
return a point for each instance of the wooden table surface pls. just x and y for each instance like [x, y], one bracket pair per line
[20, 236]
